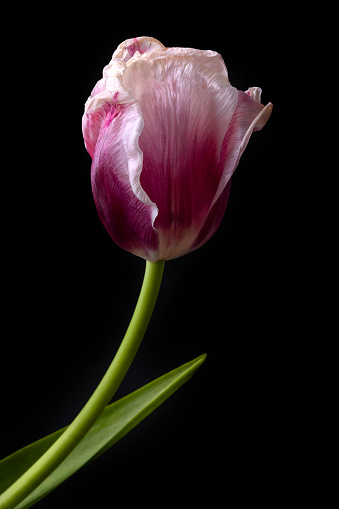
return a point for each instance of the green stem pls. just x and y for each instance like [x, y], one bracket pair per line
[100, 398]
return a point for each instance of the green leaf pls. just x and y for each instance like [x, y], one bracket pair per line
[116, 421]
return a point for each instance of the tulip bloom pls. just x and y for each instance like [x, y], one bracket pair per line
[165, 130]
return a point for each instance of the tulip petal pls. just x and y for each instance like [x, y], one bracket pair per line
[250, 115]
[187, 107]
[140, 45]
[94, 117]
[124, 208]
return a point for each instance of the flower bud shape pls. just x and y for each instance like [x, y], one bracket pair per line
[165, 130]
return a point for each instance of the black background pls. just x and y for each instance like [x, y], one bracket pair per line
[239, 430]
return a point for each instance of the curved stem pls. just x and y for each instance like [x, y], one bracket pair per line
[100, 398]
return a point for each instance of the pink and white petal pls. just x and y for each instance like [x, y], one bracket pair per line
[250, 115]
[95, 113]
[106, 92]
[207, 58]
[127, 49]
[187, 109]
[123, 207]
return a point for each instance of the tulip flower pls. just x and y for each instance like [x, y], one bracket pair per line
[165, 130]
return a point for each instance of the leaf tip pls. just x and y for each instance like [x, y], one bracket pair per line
[200, 360]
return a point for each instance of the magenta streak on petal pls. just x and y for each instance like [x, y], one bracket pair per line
[132, 48]
[140, 44]
[127, 219]
[213, 219]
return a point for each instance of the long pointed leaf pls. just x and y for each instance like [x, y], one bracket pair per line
[116, 420]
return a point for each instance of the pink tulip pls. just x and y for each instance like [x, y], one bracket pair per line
[165, 130]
